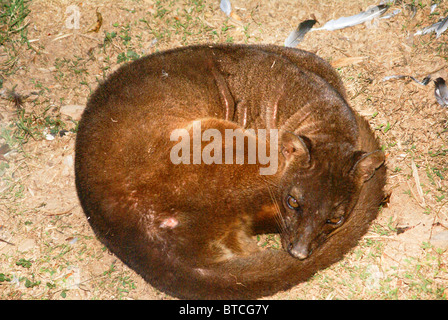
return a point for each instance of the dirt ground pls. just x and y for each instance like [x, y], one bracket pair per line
[47, 249]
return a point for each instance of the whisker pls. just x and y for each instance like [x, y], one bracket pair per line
[278, 217]
[267, 181]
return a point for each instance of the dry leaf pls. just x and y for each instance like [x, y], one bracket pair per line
[73, 111]
[99, 23]
[417, 183]
[4, 149]
[343, 62]
[235, 16]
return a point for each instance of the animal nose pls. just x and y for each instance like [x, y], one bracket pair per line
[299, 251]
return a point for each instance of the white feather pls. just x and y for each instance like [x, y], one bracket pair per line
[351, 21]
[433, 7]
[442, 27]
[424, 82]
[429, 29]
[226, 7]
[390, 15]
[438, 27]
[441, 92]
[297, 35]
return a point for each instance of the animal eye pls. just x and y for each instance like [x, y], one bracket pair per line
[292, 202]
[336, 221]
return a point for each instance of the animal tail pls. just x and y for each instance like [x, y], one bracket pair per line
[262, 274]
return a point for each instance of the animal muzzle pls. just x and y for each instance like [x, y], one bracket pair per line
[301, 247]
[299, 250]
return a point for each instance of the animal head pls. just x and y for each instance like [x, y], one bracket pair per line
[319, 190]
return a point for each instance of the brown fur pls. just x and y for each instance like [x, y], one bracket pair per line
[187, 229]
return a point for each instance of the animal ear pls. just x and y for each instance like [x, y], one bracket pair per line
[367, 163]
[294, 146]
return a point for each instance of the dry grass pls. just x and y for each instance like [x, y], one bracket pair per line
[48, 251]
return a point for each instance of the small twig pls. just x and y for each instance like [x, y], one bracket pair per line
[414, 195]
[380, 237]
[50, 214]
[390, 257]
[88, 37]
[434, 220]
[62, 36]
[7, 242]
